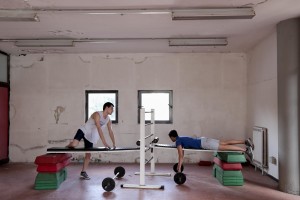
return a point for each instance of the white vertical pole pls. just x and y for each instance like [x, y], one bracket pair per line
[142, 146]
[152, 138]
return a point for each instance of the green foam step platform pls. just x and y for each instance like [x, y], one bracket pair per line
[233, 182]
[46, 181]
[228, 178]
[231, 157]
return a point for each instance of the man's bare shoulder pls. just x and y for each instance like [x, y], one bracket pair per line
[95, 115]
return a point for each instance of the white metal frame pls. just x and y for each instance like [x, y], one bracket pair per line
[142, 173]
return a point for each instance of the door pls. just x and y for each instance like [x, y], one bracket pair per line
[3, 124]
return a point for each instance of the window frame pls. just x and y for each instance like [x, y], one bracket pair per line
[116, 111]
[170, 92]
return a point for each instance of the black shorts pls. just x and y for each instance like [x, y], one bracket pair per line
[80, 135]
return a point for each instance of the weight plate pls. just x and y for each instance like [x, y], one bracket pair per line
[121, 171]
[108, 184]
[175, 167]
[179, 178]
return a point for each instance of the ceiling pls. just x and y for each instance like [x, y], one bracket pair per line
[137, 33]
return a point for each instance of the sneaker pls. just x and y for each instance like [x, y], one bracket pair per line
[85, 176]
[249, 153]
[249, 143]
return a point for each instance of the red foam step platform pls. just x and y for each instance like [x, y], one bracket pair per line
[52, 158]
[228, 166]
[49, 168]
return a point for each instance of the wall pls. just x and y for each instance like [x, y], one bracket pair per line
[262, 94]
[209, 96]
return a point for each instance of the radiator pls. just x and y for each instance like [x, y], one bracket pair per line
[260, 152]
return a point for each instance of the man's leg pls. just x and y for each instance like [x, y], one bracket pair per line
[73, 144]
[229, 147]
[87, 158]
[230, 142]
[86, 162]
[78, 136]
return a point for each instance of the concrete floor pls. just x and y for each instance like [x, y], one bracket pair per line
[17, 182]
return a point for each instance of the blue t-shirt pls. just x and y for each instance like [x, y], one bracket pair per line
[188, 142]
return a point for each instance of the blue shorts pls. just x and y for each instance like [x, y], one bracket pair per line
[80, 135]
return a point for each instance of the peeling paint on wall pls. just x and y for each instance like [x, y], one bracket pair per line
[85, 59]
[140, 62]
[134, 60]
[57, 113]
[28, 64]
[65, 33]
[57, 141]
[25, 66]
[255, 4]
[28, 149]
[41, 51]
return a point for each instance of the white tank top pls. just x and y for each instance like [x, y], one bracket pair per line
[90, 129]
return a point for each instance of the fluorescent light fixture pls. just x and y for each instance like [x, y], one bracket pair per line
[198, 42]
[96, 41]
[121, 12]
[213, 13]
[18, 15]
[44, 43]
[70, 42]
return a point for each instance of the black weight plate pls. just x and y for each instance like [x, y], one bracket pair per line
[108, 184]
[121, 171]
[175, 167]
[179, 178]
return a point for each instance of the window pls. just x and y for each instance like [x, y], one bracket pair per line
[95, 99]
[159, 100]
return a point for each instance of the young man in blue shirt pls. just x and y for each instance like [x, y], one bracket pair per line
[208, 144]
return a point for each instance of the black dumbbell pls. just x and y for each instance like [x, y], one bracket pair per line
[138, 143]
[179, 178]
[108, 183]
[175, 168]
[155, 140]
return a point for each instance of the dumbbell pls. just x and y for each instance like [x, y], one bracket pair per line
[179, 177]
[108, 183]
[155, 140]
[175, 167]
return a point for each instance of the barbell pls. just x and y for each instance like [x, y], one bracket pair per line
[108, 184]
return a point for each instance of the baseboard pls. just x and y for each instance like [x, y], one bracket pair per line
[272, 177]
[4, 161]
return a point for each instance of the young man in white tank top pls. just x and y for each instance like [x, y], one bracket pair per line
[92, 131]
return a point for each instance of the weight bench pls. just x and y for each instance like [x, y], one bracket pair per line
[90, 150]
